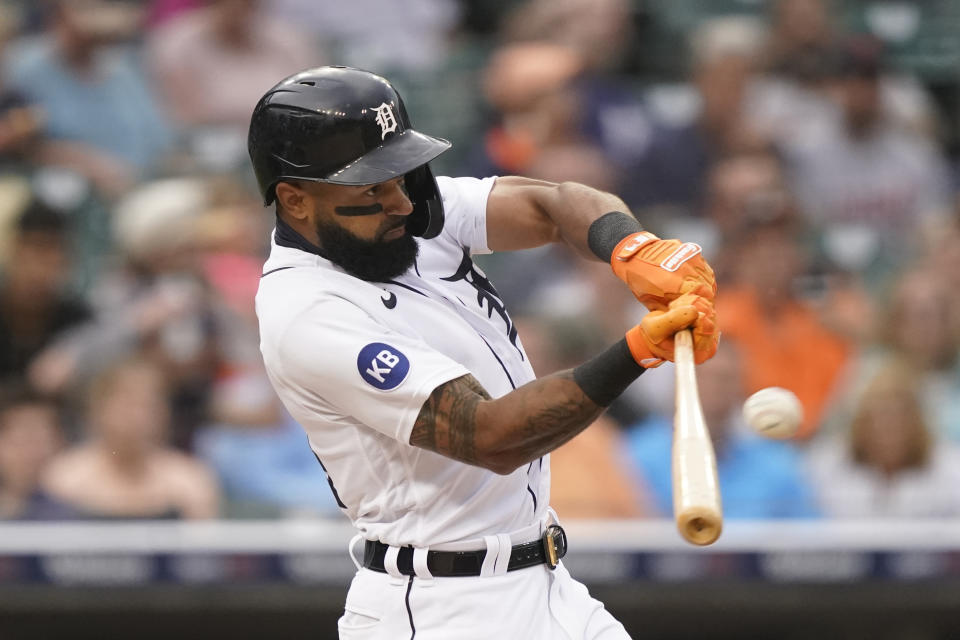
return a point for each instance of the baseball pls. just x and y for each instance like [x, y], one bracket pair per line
[773, 412]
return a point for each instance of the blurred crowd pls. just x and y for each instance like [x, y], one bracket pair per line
[815, 172]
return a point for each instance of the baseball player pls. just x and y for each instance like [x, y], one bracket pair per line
[396, 354]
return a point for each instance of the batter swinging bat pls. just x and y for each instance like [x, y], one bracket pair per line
[696, 492]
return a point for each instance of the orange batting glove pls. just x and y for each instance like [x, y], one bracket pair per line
[651, 341]
[706, 333]
[659, 271]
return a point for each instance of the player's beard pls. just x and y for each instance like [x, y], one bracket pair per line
[371, 260]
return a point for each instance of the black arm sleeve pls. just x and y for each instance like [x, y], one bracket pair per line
[606, 232]
[607, 375]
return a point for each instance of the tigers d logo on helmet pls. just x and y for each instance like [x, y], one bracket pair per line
[385, 119]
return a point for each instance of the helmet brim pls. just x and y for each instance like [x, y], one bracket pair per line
[400, 155]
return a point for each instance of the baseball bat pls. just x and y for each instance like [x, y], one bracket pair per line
[696, 491]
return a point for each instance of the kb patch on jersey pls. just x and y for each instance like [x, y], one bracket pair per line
[382, 366]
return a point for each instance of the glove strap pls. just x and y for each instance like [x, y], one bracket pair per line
[640, 351]
[629, 246]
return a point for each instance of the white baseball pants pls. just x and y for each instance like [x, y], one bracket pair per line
[528, 604]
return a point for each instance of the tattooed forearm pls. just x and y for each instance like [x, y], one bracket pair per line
[507, 432]
[562, 415]
[447, 423]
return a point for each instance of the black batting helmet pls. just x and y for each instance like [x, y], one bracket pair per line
[344, 126]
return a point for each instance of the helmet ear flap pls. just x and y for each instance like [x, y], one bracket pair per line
[426, 220]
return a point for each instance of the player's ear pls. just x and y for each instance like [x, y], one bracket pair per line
[293, 200]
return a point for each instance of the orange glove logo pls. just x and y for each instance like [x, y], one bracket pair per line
[686, 251]
[659, 271]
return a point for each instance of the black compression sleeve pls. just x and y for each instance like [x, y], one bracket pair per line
[607, 375]
[606, 232]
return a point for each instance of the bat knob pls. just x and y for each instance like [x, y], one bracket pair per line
[700, 528]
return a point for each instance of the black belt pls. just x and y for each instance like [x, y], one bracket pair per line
[447, 564]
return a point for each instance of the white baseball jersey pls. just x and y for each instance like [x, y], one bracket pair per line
[354, 361]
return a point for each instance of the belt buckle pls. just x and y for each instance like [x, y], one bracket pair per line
[554, 545]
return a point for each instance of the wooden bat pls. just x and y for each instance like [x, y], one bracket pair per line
[696, 491]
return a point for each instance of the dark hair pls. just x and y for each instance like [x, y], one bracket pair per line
[859, 56]
[15, 394]
[38, 216]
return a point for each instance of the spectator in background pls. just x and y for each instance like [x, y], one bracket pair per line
[212, 65]
[16, 192]
[740, 188]
[20, 121]
[100, 118]
[784, 338]
[943, 258]
[412, 36]
[889, 462]
[537, 132]
[35, 308]
[160, 11]
[20, 125]
[607, 111]
[801, 39]
[124, 468]
[144, 296]
[26, 14]
[230, 234]
[917, 329]
[758, 478]
[871, 187]
[790, 97]
[793, 97]
[158, 300]
[30, 436]
[598, 30]
[671, 169]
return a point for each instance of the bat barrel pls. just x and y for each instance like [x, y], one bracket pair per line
[696, 492]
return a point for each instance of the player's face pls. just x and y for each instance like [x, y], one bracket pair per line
[374, 212]
[363, 229]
